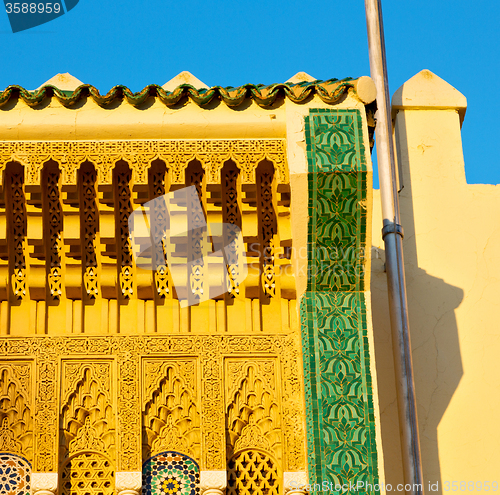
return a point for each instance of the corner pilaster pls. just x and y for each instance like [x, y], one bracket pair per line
[334, 325]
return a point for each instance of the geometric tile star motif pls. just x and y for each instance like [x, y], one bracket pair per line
[170, 473]
[15, 476]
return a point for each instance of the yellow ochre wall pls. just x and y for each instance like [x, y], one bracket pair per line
[118, 346]
[452, 260]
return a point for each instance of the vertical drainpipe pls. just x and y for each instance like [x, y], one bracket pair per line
[392, 233]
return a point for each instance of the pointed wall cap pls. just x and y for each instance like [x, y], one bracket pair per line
[426, 90]
[64, 82]
[300, 77]
[184, 77]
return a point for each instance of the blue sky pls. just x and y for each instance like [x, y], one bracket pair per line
[105, 43]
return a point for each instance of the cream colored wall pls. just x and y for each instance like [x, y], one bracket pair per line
[154, 120]
[452, 260]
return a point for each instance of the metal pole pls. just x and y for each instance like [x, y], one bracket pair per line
[392, 234]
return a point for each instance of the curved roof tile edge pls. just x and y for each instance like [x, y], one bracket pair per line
[330, 91]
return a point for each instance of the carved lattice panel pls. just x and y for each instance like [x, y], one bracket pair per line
[196, 247]
[170, 473]
[171, 419]
[160, 223]
[123, 209]
[53, 218]
[17, 220]
[128, 404]
[88, 474]
[267, 229]
[46, 402]
[15, 475]
[212, 402]
[251, 472]
[232, 225]
[90, 226]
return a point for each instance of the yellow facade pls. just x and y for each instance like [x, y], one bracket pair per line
[103, 372]
[452, 246]
[102, 366]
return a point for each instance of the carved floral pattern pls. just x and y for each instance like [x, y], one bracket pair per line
[159, 225]
[253, 415]
[127, 351]
[183, 400]
[232, 225]
[16, 416]
[129, 409]
[46, 413]
[171, 417]
[87, 414]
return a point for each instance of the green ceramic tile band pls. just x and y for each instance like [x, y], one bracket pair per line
[339, 406]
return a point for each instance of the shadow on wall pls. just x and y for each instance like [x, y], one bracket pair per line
[437, 361]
